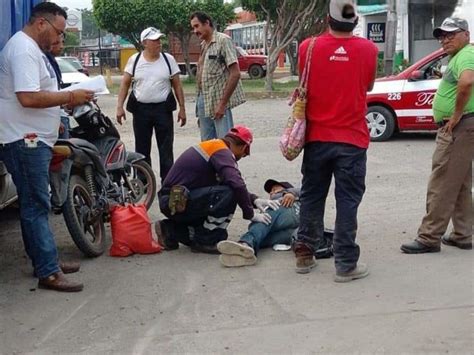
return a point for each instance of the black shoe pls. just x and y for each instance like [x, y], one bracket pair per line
[165, 240]
[447, 241]
[416, 247]
[202, 248]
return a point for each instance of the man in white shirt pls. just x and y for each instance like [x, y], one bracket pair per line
[154, 75]
[29, 122]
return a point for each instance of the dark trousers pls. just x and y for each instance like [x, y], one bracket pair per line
[145, 120]
[208, 213]
[347, 163]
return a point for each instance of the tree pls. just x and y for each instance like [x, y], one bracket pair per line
[90, 30]
[71, 39]
[314, 25]
[285, 20]
[176, 20]
[128, 18]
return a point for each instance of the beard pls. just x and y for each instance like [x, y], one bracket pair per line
[45, 41]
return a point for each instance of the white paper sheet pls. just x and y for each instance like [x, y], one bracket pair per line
[96, 84]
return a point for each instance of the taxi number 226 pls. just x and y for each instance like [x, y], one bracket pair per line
[394, 96]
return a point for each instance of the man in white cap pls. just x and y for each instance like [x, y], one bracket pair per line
[151, 101]
[449, 189]
[341, 71]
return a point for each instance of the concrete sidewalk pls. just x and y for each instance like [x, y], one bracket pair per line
[178, 302]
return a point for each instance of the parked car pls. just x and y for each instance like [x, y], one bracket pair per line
[255, 65]
[403, 102]
[69, 73]
[76, 63]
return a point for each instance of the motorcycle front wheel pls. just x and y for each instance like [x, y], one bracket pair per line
[143, 183]
[87, 231]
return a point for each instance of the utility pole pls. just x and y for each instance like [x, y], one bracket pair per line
[390, 36]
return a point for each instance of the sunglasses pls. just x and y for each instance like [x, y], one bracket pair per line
[448, 35]
[58, 31]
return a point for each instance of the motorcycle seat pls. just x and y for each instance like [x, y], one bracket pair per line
[77, 143]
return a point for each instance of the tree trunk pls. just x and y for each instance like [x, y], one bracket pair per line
[272, 62]
[184, 39]
[293, 57]
[269, 82]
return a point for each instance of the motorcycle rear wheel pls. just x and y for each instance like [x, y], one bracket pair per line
[143, 181]
[88, 234]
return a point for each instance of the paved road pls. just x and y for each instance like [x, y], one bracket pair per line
[179, 302]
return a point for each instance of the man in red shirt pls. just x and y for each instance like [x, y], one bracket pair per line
[342, 70]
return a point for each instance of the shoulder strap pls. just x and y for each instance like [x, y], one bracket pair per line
[135, 64]
[307, 64]
[167, 62]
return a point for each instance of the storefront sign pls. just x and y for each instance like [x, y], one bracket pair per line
[376, 32]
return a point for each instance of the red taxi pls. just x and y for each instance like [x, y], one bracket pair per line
[403, 102]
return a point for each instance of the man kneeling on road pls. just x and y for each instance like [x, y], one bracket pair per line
[278, 230]
[202, 190]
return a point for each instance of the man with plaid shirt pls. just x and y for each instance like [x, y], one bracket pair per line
[218, 79]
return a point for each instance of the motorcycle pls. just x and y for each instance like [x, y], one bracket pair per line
[91, 172]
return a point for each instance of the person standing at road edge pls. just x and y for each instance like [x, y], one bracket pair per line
[29, 123]
[449, 195]
[343, 69]
[155, 76]
[218, 79]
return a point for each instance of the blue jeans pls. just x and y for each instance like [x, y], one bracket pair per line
[29, 168]
[347, 163]
[279, 231]
[211, 128]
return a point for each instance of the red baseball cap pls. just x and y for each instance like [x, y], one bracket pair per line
[242, 133]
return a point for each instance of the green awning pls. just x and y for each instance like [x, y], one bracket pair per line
[366, 10]
[370, 2]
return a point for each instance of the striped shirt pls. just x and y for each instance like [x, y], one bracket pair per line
[215, 59]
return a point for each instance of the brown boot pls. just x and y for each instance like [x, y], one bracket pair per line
[58, 282]
[69, 267]
[305, 259]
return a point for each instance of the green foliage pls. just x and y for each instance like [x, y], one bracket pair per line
[71, 39]
[128, 18]
[90, 29]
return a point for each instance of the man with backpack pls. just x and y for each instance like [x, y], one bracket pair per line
[154, 75]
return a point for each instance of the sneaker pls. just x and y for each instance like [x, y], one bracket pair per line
[229, 260]
[230, 247]
[360, 271]
[163, 238]
[305, 259]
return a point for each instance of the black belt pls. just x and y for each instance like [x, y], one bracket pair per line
[463, 117]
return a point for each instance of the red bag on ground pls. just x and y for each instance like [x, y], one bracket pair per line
[131, 231]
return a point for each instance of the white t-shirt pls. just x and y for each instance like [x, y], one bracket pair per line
[152, 79]
[24, 68]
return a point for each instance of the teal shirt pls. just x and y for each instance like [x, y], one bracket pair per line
[444, 101]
